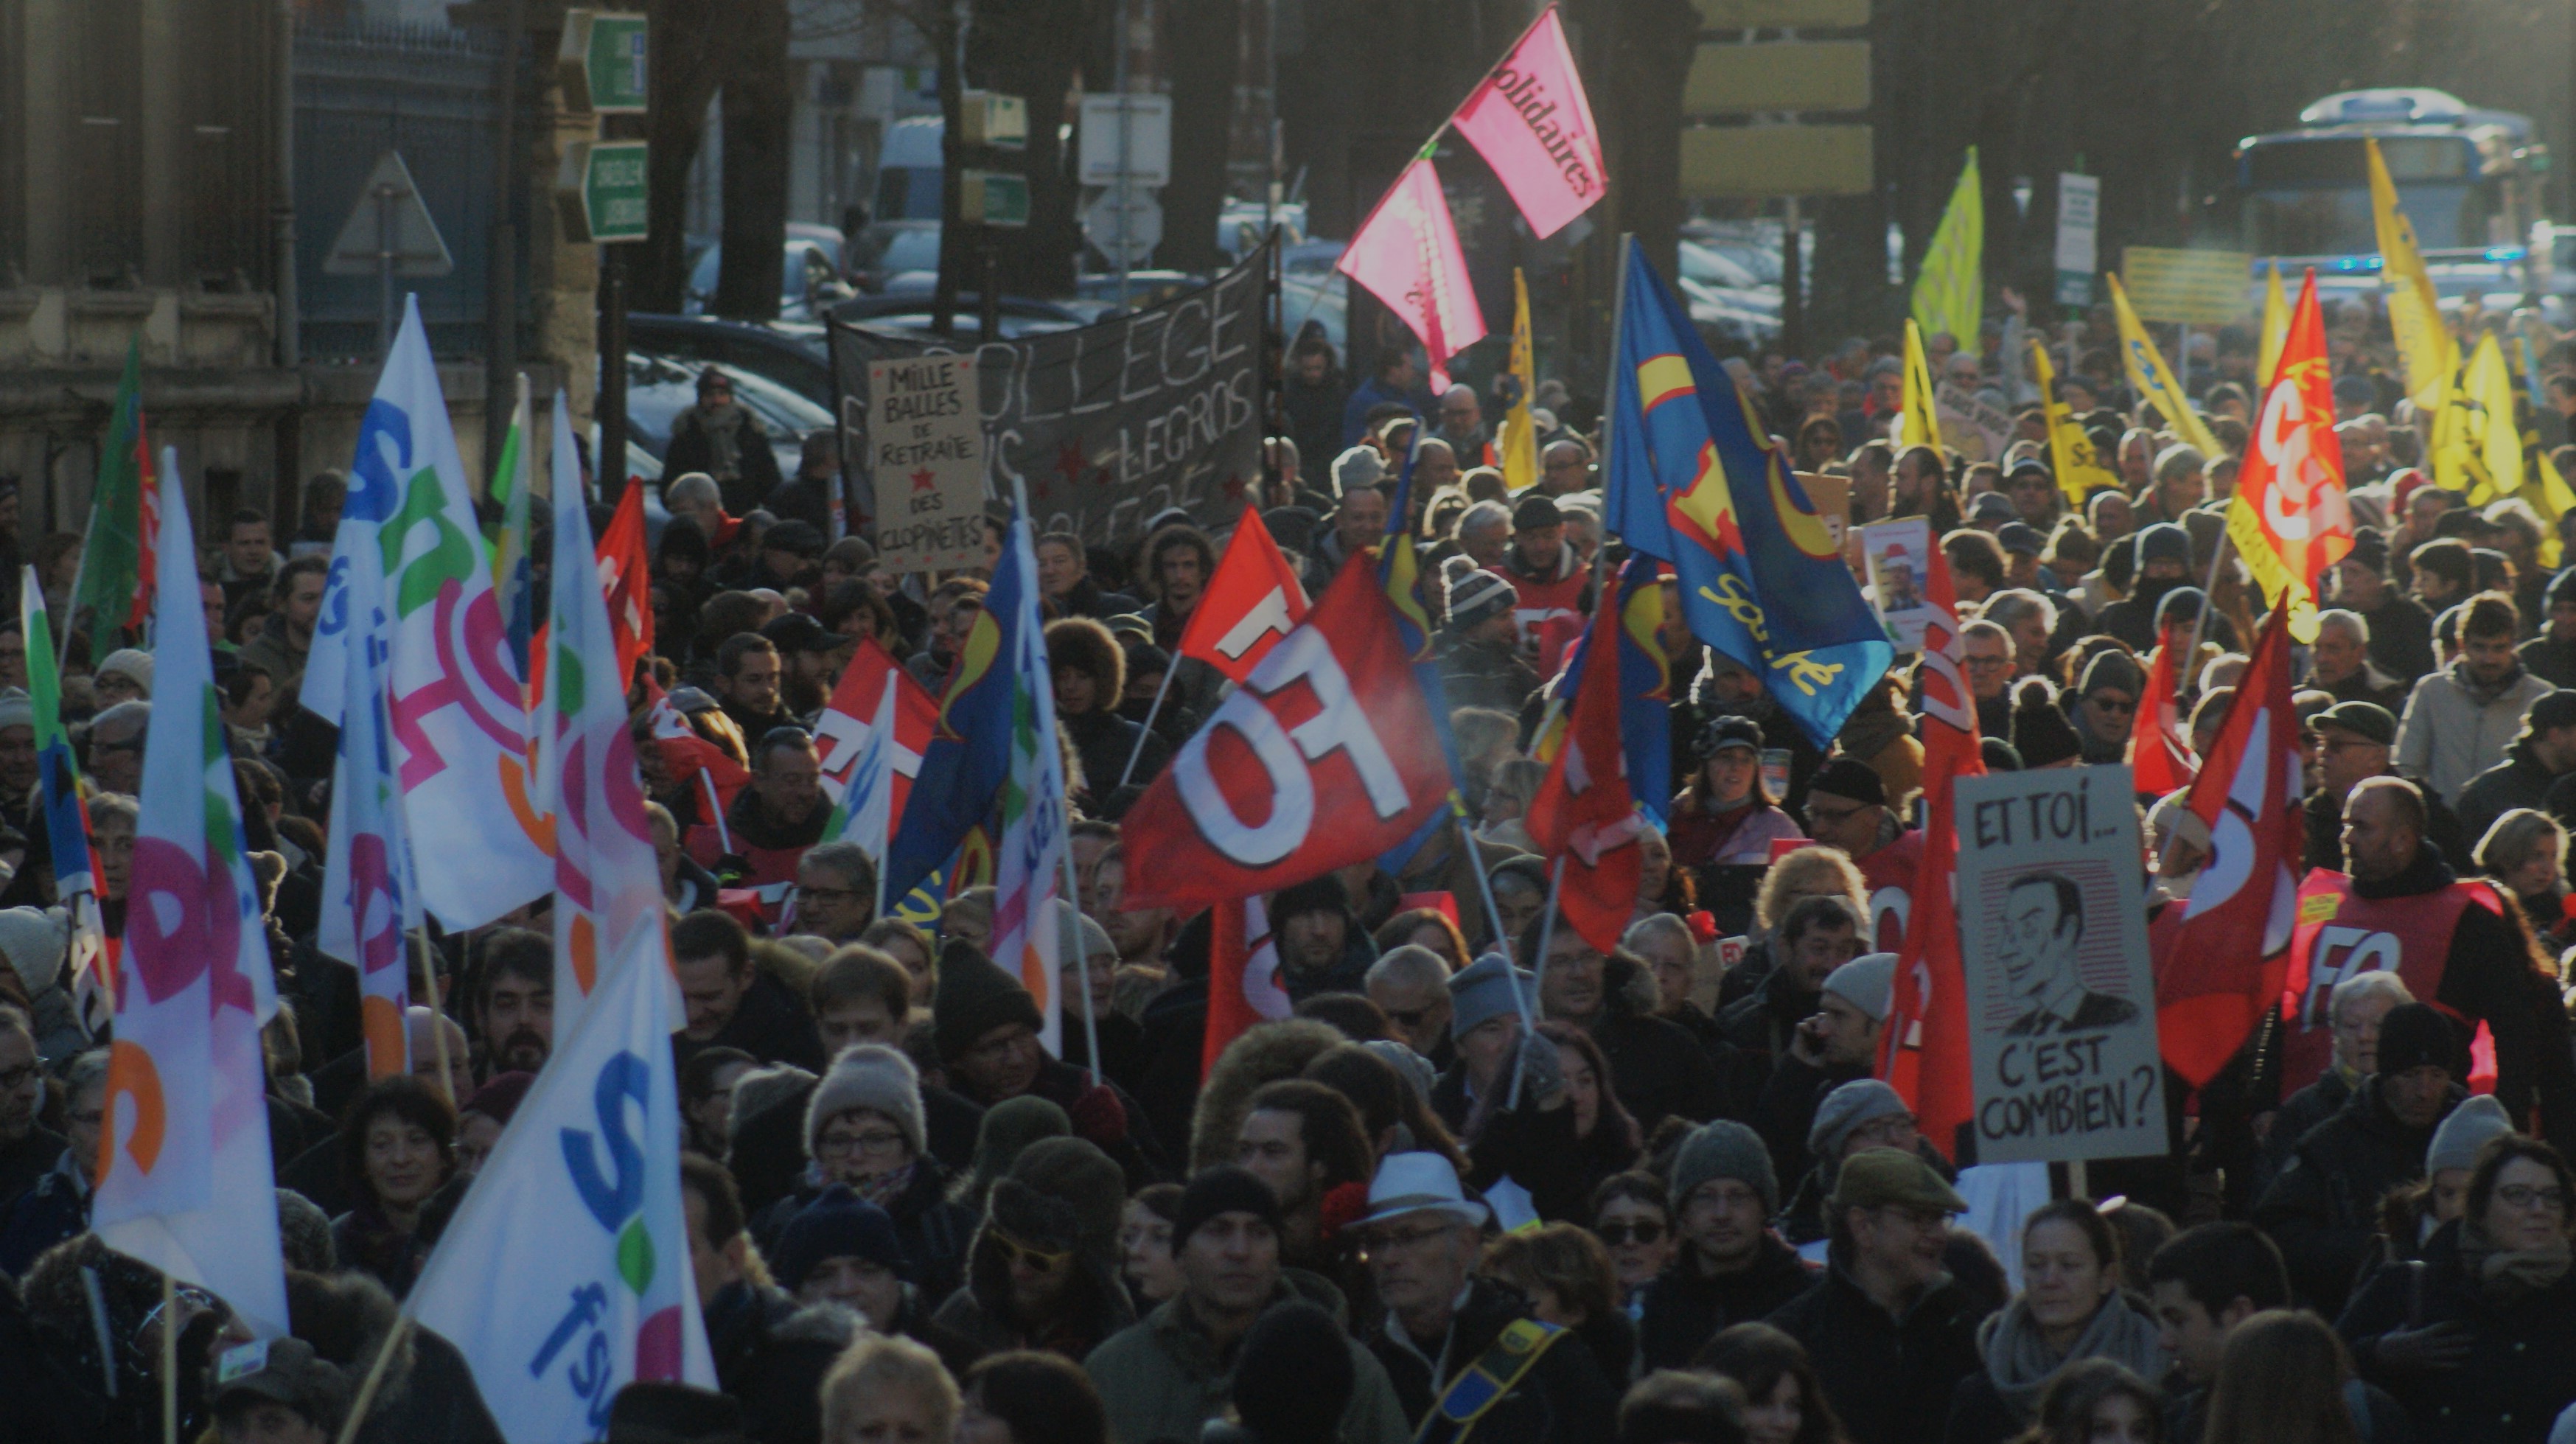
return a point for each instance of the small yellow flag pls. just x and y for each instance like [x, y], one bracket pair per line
[1919, 424]
[2423, 343]
[1519, 439]
[1950, 294]
[2488, 390]
[2276, 330]
[2152, 380]
[2079, 468]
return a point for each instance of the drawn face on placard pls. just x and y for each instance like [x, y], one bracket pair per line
[2042, 924]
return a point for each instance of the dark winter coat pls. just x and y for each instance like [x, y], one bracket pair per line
[934, 1232]
[1685, 1308]
[1103, 741]
[771, 1354]
[1657, 1070]
[1887, 1376]
[2520, 780]
[1535, 1146]
[1563, 1399]
[2300, 1112]
[2323, 1208]
[2514, 1379]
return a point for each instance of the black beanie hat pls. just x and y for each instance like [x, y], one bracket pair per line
[2040, 731]
[1294, 1376]
[2414, 1034]
[975, 996]
[1848, 777]
[652, 1412]
[1222, 1189]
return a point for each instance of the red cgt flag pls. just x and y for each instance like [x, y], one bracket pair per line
[1584, 817]
[1924, 1054]
[2290, 519]
[1325, 756]
[2158, 760]
[2226, 965]
[1253, 600]
[625, 573]
[1243, 976]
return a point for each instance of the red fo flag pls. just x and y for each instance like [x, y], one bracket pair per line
[1253, 600]
[1243, 976]
[1407, 254]
[625, 573]
[1583, 816]
[1925, 1052]
[1325, 756]
[2227, 964]
[842, 731]
[2158, 758]
[1532, 123]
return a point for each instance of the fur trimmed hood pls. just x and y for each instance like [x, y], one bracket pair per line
[1265, 1053]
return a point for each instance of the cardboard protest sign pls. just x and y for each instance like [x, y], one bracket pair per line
[926, 456]
[1107, 425]
[2052, 924]
[1898, 555]
[1975, 427]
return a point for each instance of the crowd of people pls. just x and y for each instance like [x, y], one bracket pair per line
[1681, 1209]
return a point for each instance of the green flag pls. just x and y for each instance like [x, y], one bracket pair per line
[111, 564]
[1950, 294]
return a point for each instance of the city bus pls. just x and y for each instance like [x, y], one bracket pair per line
[2469, 179]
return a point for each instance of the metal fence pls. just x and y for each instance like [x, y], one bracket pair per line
[430, 92]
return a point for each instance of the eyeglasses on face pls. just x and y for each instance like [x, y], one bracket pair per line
[1039, 1260]
[876, 1143]
[1620, 1235]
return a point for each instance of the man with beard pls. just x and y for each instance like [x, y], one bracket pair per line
[1322, 948]
[806, 663]
[2458, 722]
[748, 680]
[985, 1027]
[776, 818]
[1304, 1140]
[1731, 1268]
[721, 437]
[1137, 933]
[1462, 425]
[514, 1014]
[2164, 563]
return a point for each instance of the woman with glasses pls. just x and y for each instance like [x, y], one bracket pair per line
[394, 1154]
[2475, 1341]
[865, 1130]
[1632, 1220]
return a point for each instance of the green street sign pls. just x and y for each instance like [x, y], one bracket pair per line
[993, 198]
[600, 192]
[601, 62]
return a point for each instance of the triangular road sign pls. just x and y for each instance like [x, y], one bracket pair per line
[389, 216]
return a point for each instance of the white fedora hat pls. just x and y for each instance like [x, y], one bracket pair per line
[1419, 1183]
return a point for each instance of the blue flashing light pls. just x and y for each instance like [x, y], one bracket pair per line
[2506, 253]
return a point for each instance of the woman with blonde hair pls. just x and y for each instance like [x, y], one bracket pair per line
[888, 1391]
[1802, 873]
[2525, 852]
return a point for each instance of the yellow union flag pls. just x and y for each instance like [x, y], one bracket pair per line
[2276, 330]
[1918, 424]
[2151, 379]
[2423, 342]
[1950, 294]
[2070, 452]
[1519, 440]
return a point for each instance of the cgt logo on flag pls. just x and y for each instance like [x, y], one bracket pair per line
[613, 1191]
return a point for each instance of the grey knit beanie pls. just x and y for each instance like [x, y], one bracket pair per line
[2470, 1128]
[877, 1078]
[1842, 1112]
[1724, 1149]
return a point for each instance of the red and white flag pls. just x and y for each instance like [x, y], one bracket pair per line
[1325, 756]
[691, 758]
[1925, 1053]
[2160, 761]
[1532, 123]
[1407, 254]
[625, 572]
[1243, 976]
[1253, 600]
[2227, 965]
[842, 731]
[1584, 818]
[2290, 519]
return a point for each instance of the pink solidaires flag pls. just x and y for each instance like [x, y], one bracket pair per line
[1533, 125]
[1407, 254]
[186, 1183]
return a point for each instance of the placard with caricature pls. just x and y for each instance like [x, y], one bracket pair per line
[1898, 555]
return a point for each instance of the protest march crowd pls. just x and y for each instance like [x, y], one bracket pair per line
[1816, 934]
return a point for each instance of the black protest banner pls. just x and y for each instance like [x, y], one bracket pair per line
[1107, 425]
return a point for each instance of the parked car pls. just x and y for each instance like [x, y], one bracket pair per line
[910, 312]
[791, 353]
[886, 249]
[811, 271]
